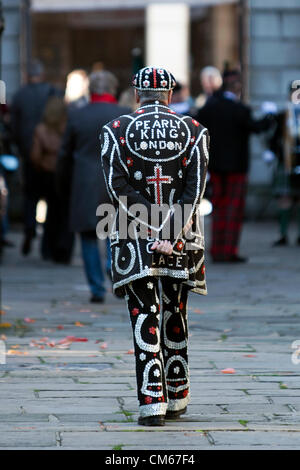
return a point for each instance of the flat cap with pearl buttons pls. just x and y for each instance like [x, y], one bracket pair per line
[153, 79]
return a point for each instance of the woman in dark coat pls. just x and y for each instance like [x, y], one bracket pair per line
[46, 143]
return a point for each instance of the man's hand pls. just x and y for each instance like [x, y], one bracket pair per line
[163, 246]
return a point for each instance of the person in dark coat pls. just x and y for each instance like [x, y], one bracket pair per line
[27, 109]
[230, 124]
[79, 171]
[57, 244]
[156, 159]
[285, 144]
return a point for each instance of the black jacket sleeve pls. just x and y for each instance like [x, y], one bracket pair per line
[252, 125]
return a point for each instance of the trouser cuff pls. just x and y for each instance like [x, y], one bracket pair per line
[152, 410]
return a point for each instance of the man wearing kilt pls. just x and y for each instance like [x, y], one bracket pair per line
[230, 124]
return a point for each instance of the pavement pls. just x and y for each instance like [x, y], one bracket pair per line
[80, 393]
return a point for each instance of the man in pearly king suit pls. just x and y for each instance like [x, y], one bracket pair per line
[154, 163]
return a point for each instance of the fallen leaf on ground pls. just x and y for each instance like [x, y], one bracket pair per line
[77, 323]
[130, 351]
[3, 337]
[13, 352]
[60, 327]
[5, 325]
[197, 310]
[2, 312]
[64, 346]
[15, 346]
[229, 370]
[83, 310]
[29, 320]
[249, 355]
[103, 346]
[41, 343]
[44, 339]
[72, 339]
[24, 428]
[75, 339]
[64, 341]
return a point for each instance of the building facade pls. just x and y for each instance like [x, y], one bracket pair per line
[273, 63]
[262, 36]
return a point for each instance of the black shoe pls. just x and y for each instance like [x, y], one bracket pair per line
[281, 242]
[157, 420]
[175, 414]
[238, 259]
[26, 247]
[95, 299]
[61, 258]
[8, 244]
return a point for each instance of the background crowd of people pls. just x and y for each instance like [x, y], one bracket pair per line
[55, 135]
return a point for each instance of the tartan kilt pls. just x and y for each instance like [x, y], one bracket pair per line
[228, 199]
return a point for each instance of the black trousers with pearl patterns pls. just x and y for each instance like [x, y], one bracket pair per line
[158, 312]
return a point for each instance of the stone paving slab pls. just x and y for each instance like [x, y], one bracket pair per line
[179, 426]
[255, 409]
[256, 438]
[53, 406]
[85, 394]
[283, 394]
[22, 438]
[114, 438]
[41, 386]
[126, 426]
[156, 449]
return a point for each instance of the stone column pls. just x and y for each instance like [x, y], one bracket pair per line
[11, 57]
[167, 38]
[225, 35]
